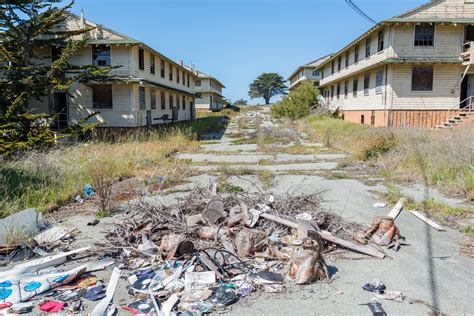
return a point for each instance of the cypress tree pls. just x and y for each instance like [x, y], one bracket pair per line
[26, 27]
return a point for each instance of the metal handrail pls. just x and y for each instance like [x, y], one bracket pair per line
[458, 106]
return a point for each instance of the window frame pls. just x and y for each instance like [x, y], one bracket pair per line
[368, 47]
[108, 62]
[171, 101]
[152, 64]
[381, 40]
[355, 87]
[339, 63]
[177, 75]
[429, 89]
[141, 59]
[347, 61]
[346, 89]
[367, 84]
[333, 67]
[415, 39]
[94, 99]
[379, 82]
[356, 53]
[184, 102]
[338, 91]
[152, 99]
[141, 98]
[163, 100]
[170, 72]
[162, 69]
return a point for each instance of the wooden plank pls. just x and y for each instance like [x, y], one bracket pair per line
[428, 221]
[210, 265]
[350, 245]
[396, 210]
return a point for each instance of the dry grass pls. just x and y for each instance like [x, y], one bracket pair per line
[441, 158]
[47, 180]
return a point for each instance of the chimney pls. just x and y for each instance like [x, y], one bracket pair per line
[181, 63]
[83, 20]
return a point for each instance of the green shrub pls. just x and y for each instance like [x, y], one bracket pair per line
[298, 103]
[381, 145]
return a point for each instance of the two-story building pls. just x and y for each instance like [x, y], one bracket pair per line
[146, 88]
[406, 71]
[308, 72]
[208, 92]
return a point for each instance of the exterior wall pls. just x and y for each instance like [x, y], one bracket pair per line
[204, 102]
[305, 74]
[379, 118]
[443, 9]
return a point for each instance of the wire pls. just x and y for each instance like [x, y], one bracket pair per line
[360, 12]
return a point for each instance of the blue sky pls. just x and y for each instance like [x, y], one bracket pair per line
[237, 40]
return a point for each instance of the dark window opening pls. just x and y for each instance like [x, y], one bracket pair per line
[424, 34]
[339, 63]
[367, 47]
[171, 72]
[347, 59]
[372, 118]
[177, 75]
[362, 119]
[171, 102]
[101, 55]
[178, 102]
[184, 103]
[356, 54]
[162, 70]
[332, 92]
[355, 87]
[56, 53]
[152, 64]
[338, 91]
[346, 89]
[163, 101]
[188, 80]
[378, 82]
[142, 101]
[381, 44]
[153, 99]
[422, 79]
[366, 84]
[102, 97]
[332, 67]
[141, 59]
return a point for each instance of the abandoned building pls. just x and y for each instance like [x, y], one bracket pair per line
[410, 70]
[146, 88]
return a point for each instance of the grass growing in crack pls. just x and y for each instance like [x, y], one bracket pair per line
[227, 187]
[231, 171]
[103, 214]
[266, 177]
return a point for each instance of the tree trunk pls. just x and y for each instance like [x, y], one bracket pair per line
[267, 100]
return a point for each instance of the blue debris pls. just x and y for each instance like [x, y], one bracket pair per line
[88, 191]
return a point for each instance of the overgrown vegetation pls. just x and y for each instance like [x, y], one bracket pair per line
[438, 158]
[298, 103]
[45, 180]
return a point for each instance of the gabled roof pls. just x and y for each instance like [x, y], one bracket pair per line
[312, 64]
[203, 75]
[417, 8]
[124, 41]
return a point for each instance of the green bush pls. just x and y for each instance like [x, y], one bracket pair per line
[298, 103]
[379, 146]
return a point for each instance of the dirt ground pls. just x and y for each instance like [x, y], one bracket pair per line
[429, 271]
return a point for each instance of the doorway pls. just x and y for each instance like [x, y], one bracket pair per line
[148, 118]
[59, 109]
[467, 90]
[175, 114]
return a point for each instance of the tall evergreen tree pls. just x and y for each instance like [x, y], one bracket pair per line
[26, 27]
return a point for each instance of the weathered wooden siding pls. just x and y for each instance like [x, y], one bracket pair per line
[445, 94]
[444, 8]
[448, 41]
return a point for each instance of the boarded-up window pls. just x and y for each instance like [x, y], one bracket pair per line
[366, 84]
[162, 70]
[184, 102]
[153, 99]
[355, 87]
[424, 34]
[346, 89]
[367, 47]
[142, 98]
[163, 101]
[102, 97]
[141, 59]
[152, 64]
[422, 79]
[378, 82]
[381, 44]
[100, 55]
[356, 54]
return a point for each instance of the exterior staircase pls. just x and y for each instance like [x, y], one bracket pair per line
[463, 115]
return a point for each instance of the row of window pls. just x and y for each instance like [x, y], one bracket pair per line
[181, 76]
[422, 80]
[355, 87]
[424, 37]
[102, 98]
[101, 57]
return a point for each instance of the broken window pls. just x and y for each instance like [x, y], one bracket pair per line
[367, 47]
[100, 55]
[141, 59]
[424, 34]
[152, 64]
[381, 44]
[366, 84]
[142, 98]
[422, 79]
[378, 82]
[102, 97]
[153, 99]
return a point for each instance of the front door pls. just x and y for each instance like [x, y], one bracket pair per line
[59, 109]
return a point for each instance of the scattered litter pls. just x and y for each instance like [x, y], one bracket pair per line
[374, 286]
[93, 223]
[88, 191]
[52, 306]
[27, 222]
[78, 199]
[396, 296]
[303, 217]
[380, 205]
[428, 221]
[376, 309]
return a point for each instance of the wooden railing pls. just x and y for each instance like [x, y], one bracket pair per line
[464, 106]
[466, 57]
